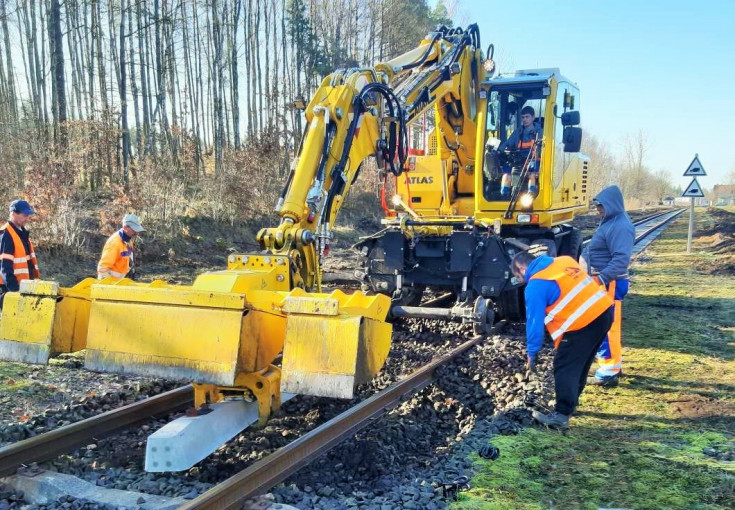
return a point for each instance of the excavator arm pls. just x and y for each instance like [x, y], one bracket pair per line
[359, 113]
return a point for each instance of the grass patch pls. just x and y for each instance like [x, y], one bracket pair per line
[640, 445]
[12, 377]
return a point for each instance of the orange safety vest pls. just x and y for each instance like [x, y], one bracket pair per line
[25, 265]
[528, 144]
[580, 302]
[116, 256]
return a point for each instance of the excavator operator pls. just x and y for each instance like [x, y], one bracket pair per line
[523, 140]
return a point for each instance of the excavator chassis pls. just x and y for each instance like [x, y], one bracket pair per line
[471, 262]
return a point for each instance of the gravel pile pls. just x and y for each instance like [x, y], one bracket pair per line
[404, 460]
[38, 398]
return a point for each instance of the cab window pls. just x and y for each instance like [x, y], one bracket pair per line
[505, 105]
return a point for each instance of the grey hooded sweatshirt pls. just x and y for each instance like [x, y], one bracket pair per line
[608, 253]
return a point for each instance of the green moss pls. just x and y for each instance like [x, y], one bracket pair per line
[12, 377]
[640, 445]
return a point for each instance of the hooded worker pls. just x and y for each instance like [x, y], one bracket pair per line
[607, 257]
[117, 255]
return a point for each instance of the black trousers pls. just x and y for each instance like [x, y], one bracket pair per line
[574, 358]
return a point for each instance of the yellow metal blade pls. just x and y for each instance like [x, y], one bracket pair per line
[327, 355]
[42, 320]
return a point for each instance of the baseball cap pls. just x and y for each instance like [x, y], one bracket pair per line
[132, 221]
[21, 207]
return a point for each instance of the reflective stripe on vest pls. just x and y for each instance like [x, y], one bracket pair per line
[580, 302]
[526, 145]
[109, 272]
[22, 262]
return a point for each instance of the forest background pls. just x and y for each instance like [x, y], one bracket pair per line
[181, 111]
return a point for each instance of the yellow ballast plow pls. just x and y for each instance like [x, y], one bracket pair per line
[224, 332]
[43, 319]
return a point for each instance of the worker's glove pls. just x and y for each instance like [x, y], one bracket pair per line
[531, 364]
[532, 166]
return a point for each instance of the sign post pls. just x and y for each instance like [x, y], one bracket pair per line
[693, 191]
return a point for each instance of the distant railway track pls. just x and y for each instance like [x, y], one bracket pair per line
[643, 222]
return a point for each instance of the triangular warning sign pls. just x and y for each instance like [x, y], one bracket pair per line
[693, 190]
[695, 168]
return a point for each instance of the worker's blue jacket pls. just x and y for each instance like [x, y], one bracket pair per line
[608, 253]
[538, 295]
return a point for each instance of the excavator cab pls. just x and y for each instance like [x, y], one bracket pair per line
[506, 157]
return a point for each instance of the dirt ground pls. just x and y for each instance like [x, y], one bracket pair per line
[718, 239]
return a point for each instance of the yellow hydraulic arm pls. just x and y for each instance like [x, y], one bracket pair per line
[363, 112]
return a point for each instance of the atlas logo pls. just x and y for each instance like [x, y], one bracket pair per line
[421, 180]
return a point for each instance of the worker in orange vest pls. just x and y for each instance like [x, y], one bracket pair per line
[117, 255]
[577, 314]
[17, 256]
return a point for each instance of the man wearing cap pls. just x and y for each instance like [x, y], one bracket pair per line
[607, 257]
[17, 256]
[117, 255]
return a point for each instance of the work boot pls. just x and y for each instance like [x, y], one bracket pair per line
[554, 420]
[605, 382]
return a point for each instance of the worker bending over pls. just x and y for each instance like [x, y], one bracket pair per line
[117, 255]
[577, 314]
[17, 256]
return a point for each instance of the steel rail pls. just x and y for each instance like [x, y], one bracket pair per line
[637, 223]
[647, 232]
[273, 469]
[51, 444]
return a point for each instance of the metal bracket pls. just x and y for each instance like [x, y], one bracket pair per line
[264, 386]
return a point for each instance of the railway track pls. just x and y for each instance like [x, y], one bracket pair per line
[264, 474]
[268, 472]
[261, 476]
[51, 444]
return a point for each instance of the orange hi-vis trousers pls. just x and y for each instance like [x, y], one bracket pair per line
[609, 356]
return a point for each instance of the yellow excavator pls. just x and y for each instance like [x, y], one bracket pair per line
[226, 332]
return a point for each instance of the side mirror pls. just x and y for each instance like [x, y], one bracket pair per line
[572, 139]
[570, 118]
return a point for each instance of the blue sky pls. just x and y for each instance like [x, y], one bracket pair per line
[664, 67]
